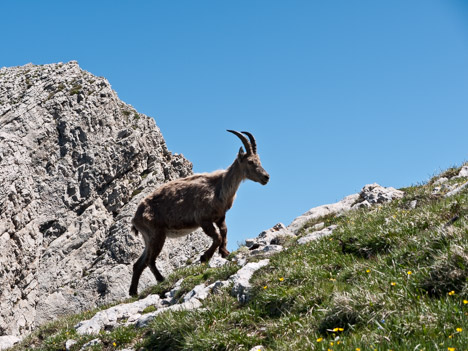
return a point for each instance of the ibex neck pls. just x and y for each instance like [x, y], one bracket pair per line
[231, 181]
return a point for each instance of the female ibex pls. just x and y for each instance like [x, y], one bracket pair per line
[179, 207]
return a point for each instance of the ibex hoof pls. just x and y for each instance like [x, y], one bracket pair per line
[224, 253]
[133, 293]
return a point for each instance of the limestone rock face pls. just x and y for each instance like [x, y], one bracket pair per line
[324, 210]
[463, 172]
[369, 195]
[74, 163]
[375, 194]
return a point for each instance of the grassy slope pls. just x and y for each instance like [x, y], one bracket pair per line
[391, 277]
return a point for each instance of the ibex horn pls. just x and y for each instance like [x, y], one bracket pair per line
[248, 147]
[252, 141]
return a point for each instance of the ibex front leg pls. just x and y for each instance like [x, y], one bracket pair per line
[210, 230]
[223, 231]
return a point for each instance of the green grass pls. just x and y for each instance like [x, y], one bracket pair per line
[136, 192]
[59, 88]
[327, 220]
[390, 277]
[76, 89]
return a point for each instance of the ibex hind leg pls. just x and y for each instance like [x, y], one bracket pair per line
[156, 247]
[138, 268]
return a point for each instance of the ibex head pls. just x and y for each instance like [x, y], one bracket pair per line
[249, 161]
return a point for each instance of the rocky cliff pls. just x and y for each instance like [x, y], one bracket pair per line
[74, 163]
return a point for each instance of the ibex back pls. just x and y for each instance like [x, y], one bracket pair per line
[179, 207]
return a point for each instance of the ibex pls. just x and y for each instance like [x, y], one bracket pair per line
[179, 207]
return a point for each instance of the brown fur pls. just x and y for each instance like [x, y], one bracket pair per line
[183, 205]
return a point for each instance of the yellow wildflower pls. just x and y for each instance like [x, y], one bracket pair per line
[465, 302]
[319, 339]
[367, 270]
[331, 343]
[451, 348]
[358, 349]
[392, 283]
[114, 344]
[281, 279]
[451, 293]
[338, 342]
[459, 330]
[409, 272]
[265, 287]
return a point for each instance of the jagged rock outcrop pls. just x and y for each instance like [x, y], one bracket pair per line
[322, 211]
[266, 242]
[370, 194]
[74, 163]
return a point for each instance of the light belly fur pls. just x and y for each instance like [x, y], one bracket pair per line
[177, 233]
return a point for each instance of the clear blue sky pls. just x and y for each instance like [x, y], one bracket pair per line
[337, 93]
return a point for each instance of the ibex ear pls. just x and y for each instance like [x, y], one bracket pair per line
[241, 153]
